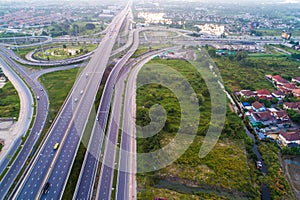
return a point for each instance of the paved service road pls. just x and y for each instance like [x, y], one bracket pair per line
[41, 116]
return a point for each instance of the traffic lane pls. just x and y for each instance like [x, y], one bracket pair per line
[60, 170]
[79, 124]
[108, 164]
[29, 143]
[69, 148]
[92, 102]
[43, 162]
[85, 186]
[102, 109]
[122, 192]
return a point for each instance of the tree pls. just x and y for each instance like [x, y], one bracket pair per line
[294, 115]
[90, 26]
[64, 46]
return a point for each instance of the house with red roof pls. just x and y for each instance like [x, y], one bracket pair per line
[291, 105]
[282, 118]
[278, 94]
[258, 107]
[286, 88]
[290, 136]
[265, 118]
[247, 94]
[264, 94]
[296, 93]
[278, 80]
[296, 80]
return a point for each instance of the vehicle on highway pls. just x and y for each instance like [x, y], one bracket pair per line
[56, 146]
[46, 188]
[38, 97]
[81, 92]
[75, 99]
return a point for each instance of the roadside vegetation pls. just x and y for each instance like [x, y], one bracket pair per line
[246, 72]
[58, 84]
[144, 49]
[279, 186]
[9, 101]
[225, 173]
[58, 52]
[75, 28]
[64, 51]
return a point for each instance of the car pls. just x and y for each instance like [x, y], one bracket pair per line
[75, 99]
[42, 89]
[81, 92]
[86, 75]
[46, 188]
[56, 146]
[258, 165]
[38, 97]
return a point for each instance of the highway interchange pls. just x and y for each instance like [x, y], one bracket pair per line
[54, 166]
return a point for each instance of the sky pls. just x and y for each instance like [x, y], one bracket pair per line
[221, 1]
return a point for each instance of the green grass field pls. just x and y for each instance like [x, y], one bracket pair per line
[250, 72]
[9, 101]
[60, 53]
[223, 174]
[58, 85]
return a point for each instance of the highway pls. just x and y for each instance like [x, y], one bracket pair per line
[48, 39]
[54, 166]
[126, 181]
[90, 165]
[46, 63]
[40, 119]
[25, 114]
[107, 168]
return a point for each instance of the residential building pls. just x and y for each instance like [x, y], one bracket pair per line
[282, 118]
[296, 93]
[264, 118]
[287, 88]
[278, 94]
[291, 105]
[296, 80]
[264, 94]
[289, 136]
[247, 94]
[258, 107]
[278, 80]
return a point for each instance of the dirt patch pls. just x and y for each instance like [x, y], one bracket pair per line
[291, 166]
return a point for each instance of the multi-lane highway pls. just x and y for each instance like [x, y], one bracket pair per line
[126, 187]
[40, 119]
[54, 166]
[90, 165]
[107, 168]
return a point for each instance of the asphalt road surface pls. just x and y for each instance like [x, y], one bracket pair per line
[41, 116]
[54, 166]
